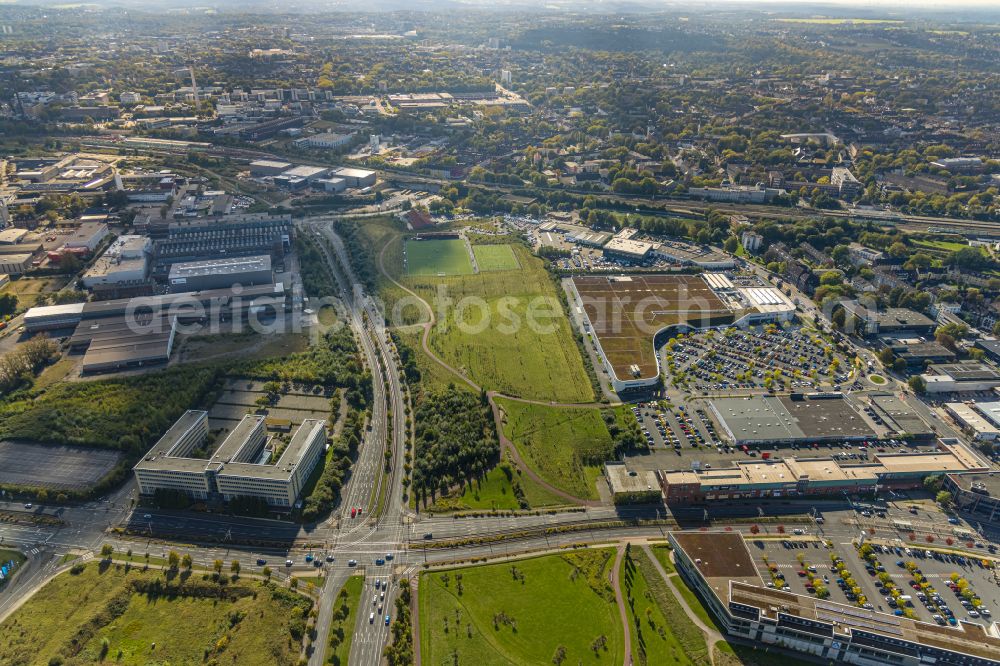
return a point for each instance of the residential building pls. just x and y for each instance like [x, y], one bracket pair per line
[859, 255]
[752, 241]
[847, 185]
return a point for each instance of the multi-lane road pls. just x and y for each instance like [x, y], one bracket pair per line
[386, 526]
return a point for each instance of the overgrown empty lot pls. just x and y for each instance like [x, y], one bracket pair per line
[134, 617]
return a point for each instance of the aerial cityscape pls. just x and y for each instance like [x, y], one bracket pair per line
[464, 333]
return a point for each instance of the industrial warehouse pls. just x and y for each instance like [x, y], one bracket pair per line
[720, 568]
[137, 332]
[241, 466]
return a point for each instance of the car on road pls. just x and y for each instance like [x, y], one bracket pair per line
[428, 535]
[389, 556]
[146, 516]
[371, 618]
[379, 562]
[352, 563]
[261, 561]
[288, 563]
[354, 512]
[329, 558]
[309, 558]
[28, 505]
[387, 620]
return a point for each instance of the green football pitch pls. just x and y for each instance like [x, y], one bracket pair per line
[437, 257]
[495, 258]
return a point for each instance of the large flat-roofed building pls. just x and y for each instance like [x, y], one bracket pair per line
[627, 249]
[220, 273]
[119, 343]
[87, 236]
[724, 574]
[125, 260]
[240, 467]
[630, 486]
[871, 321]
[972, 421]
[53, 317]
[15, 264]
[355, 177]
[898, 416]
[260, 168]
[227, 236]
[774, 419]
[792, 477]
[330, 140]
[977, 493]
[961, 377]
[693, 255]
[628, 315]
[195, 306]
[915, 350]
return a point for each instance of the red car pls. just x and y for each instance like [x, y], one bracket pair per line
[354, 512]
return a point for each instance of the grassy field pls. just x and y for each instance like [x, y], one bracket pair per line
[495, 258]
[55, 373]
[680, 630]
[499, 351]
[944, 246]
[432, 375]
[561, 444]
[484, 329]
[30, 291]
[344, 619]
[489, 617]
[695, 603]
[662, 553]
[496, 492]
[653, 637]
[95, 616]
[438, 257]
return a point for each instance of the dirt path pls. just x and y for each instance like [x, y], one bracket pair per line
[622, 610]
[515, 457]
[712, 636]
[505, 443]
[415, 615]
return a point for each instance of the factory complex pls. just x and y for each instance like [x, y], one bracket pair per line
[136, 332]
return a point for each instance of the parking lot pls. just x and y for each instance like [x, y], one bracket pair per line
[241, 397]
[679, 434]
[923, 583]
[52, 466]
[764, 357]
